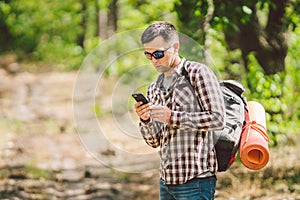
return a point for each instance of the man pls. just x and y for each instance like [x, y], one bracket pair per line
[180, 116]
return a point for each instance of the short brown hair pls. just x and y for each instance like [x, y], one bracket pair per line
[160, 28]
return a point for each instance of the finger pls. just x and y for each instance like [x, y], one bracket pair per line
[157, 115]
[156, 107]
[138, 104]
[144, 109]
[158, 119]
[158, 112]
[145, 116]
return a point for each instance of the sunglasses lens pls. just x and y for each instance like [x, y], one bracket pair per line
[148, 55]
[158, 54]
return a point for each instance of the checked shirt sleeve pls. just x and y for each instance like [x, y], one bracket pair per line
[210, 97]
[151, 133]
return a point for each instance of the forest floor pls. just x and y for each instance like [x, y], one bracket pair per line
[42, 155]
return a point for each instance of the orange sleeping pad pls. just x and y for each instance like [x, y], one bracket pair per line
[254, 150]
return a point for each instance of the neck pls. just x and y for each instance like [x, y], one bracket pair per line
[176, 62]
[173, 65]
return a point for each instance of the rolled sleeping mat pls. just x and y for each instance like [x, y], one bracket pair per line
[254, 150]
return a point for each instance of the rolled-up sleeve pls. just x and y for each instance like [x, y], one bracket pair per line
[151, 133]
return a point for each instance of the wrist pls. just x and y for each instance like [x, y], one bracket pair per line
[145, 121]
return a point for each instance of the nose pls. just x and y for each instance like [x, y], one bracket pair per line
[153, 60]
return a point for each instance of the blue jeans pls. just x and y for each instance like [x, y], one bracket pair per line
[195, 189]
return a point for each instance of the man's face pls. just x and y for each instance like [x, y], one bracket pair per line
[163, 64]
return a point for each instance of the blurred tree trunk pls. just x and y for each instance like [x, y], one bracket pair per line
[102, 24]
[113, 16]
[108, 20]
[268, 43]
[97, 10]
[81, 35]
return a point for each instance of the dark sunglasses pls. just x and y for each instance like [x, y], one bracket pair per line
[156, 54]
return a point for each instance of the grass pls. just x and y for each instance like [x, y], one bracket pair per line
[36, 173]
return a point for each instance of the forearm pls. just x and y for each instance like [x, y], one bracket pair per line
[207, 120]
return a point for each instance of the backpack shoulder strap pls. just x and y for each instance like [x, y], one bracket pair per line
[187, 77]
[185, 73]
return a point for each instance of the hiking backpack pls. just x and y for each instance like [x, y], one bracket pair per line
[227, 140]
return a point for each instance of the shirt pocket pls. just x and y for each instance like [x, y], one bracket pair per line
[184, 99]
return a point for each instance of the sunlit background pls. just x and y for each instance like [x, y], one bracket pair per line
[59, 60]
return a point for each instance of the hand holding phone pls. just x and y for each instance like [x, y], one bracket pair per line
[142, 112]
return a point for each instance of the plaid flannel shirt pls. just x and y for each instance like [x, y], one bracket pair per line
[186, 145]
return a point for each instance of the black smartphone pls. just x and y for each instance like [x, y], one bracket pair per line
[140, 97]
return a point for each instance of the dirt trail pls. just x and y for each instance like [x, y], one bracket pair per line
[42, 157]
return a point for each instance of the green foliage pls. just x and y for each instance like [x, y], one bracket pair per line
[50, 31]
[195, 10]
[292, 84]
[267, 90]
[279, 94]
[139, 13]
[47, 30]
[231, 13]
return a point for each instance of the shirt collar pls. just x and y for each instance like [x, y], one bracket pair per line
[178, 69]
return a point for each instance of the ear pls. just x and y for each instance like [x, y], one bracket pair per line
[176, 47]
